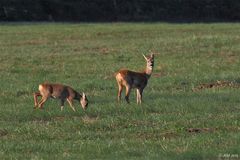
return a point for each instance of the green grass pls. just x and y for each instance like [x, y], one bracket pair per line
[85, 56]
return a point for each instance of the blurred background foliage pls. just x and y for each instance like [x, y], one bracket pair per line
[118, 10]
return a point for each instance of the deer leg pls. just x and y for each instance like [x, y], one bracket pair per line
[71, 104]
[62, 104]
[119, 92]
[140, 95]
[35, 96]
[128, 90]
[43, 100]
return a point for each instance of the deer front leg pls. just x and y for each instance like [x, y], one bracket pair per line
[62, 103]
[35, 96]
[71, 104]
[41, 103]
[139, 96]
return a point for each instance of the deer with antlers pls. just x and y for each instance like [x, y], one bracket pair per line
[130, 79]
[59, 91]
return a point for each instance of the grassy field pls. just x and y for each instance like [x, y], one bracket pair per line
[174, 122]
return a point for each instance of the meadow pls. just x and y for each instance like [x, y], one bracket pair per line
[175, 121]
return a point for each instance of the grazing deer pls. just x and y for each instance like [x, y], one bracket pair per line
[59, 91]
[130, 79]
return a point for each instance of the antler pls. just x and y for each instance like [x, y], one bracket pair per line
[83, 95]
[144, 56]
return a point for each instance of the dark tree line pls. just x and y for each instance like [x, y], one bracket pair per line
[120, 10]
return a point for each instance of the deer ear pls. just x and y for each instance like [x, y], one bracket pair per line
[144, 57]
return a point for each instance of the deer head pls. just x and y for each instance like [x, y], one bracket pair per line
[150, 62]
[84, 101]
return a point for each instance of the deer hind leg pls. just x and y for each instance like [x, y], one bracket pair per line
[128, 90]
[35, 96]
[120, 87]
[139, 96]
[70, 101]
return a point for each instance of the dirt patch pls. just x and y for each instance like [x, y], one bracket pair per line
[22, 93]
[3, 132]
[105, 50]
[166, 135]
[59, 118]
[159, 74]
[90, 120]
[217, 84]
[231, 128]
[211, 130]
[169, 135]
[31, 42]
[110, 76]
[201, 130]
[42, 121]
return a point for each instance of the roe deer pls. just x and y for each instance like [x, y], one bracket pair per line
[59, 91]
[130, 79]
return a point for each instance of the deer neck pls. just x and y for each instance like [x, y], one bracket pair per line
[77, 96]
[149, 69]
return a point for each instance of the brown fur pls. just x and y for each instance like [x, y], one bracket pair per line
[130, 79]
[59, 91]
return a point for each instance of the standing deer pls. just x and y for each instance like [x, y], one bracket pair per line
[59, 91]
[130, 79]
